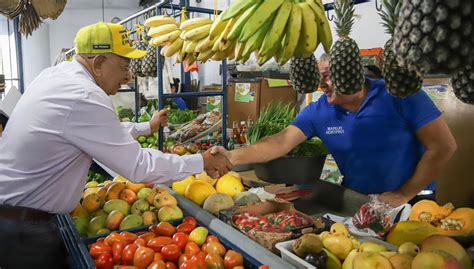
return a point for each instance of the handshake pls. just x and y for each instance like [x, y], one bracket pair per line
[217, 161]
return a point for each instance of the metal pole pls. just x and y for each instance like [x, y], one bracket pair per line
[224, 103]
[161, 98]
[19, 54]
[137, 99]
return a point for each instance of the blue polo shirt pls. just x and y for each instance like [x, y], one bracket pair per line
[375, 148]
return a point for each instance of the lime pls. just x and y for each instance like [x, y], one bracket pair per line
[144, 145]
[154, 147]
[141, 139]
[151, 140]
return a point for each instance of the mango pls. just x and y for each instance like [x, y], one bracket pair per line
[198, 235]
[435, 260]
[95, 225]
[347, 264]
[91, 184]
[103, 231]
[371, 247]
[131, 221]
[119, 179]
[81, 224]
[102, 192]
[143, 193]
[89, 191]
[114, 219]
[113, 191]
[79, 211]
[150, 197]
[340, 245]
[409, 248]
[140, 206]
[149, 218]
[332, 261]
[161, 190]
[339, 228]
[409, 231]
[92, 202]
[180, 186]
[306, 244]
[370, 260]
[388, 254]
[128, 196]
[165, 199]
[448, 245]
[99, 212]
[401, 261]
[134, 186]
[169, 213]
[117, 204]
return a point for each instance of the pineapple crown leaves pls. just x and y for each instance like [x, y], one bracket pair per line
[389, 15]
[344, 10]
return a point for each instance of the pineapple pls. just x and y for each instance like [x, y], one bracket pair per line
[148, 64]
[345, 62]
[434, 36]
[136, 64]
[463, 85]
[399, 81]
[304, 74]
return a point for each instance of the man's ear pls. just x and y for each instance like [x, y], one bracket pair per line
[97, 65]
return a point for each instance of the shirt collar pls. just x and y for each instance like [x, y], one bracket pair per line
[84, 70]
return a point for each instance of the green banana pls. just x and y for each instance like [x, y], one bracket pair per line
[217, 27]
[324, 29]
[309, 29]
[239, 49]
[223, 41]
[273, 36]
[279, 50]
[237, 7]
[292, 31]
[261, 15]
[256, 40]
[240, 23]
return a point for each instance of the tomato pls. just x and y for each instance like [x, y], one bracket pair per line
[238, 267]
[170, 265]
[184, 257]
[128, 253]
[99, 248]
[101, 240]
[215, 248]
[201, 256]
[143, 257]
[159, 242]
[130, 237]
[104, 261]
[190, 264]
[192, 248]
[140, 242]
[212, 238]
[264, 267]
[147, 236]
[199, 260]
[125, 267]
[117, 249]
[190, 220]
[214, 261]
[180, 239]
[171, 252]
[232, 259]
[157, 257]
[114, 237]
[165, 228]
[156, 265]
[185, 227]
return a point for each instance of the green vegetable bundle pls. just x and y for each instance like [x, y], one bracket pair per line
[178, 117]
[274, 119]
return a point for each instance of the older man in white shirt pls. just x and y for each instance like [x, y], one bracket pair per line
[63, 121]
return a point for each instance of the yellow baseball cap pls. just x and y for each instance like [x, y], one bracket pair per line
[104, 37]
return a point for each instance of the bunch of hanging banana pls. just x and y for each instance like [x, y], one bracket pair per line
[274, 28]
[194, 33]
[164, 31]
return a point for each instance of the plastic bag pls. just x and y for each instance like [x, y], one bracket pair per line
[191, 67]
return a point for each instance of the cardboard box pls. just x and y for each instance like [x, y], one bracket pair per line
[372, 56]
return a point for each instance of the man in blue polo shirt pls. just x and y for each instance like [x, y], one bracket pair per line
[382, 144]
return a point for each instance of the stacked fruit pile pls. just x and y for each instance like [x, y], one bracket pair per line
[121, 205]
[337, 249]
[164, 246]
[212, 194]
[148, 141]
[279, 222]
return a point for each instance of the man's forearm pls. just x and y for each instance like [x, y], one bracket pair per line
[264, 150]
[429, 167]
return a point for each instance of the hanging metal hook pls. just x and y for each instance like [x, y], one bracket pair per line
[166, 10]
[331, 17]
[377, 6]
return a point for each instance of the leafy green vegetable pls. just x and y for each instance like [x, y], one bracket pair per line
[125, 113]
[178, 117]
[274, 119]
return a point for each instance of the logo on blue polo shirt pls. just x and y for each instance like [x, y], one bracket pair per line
[334, 130]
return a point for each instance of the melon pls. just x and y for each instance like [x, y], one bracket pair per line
[217, 202]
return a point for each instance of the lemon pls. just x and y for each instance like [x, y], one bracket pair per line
[198, 191]
[229, 185]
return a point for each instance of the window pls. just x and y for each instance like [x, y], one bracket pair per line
[10, 61]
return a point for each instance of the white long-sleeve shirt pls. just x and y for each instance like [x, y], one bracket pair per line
[63, 121]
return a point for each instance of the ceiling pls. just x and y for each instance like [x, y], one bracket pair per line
[90, 4]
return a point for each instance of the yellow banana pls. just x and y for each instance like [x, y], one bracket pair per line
[262, 14]
[224, 42]
[292, 33]
[277, 30]
[190, 58]
[197, 33]
[255, 41]
[181, 54]
[156, 21]
[204, 44]
[205, 55]
[219, 56]
[324, 29]
[240, 23]
[309, 29]
[239, 49]
[230, 52]
[237, 7]
[194, 23]
[162, 40]
[190, 46]
[162, 30]
[217, 27]
[173, 48]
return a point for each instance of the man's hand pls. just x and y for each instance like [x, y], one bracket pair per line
[215, 164]
[160, 118]
[221, 150]
[394, 198]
